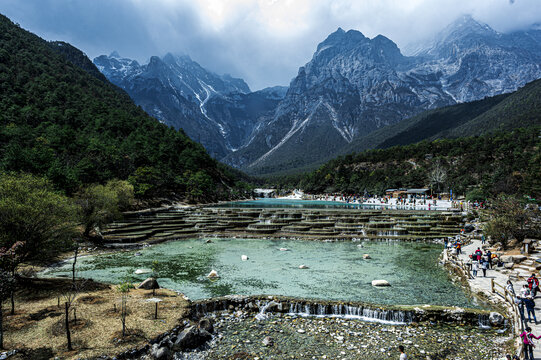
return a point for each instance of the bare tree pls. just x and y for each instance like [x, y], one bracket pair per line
[69, 298]
[124, 289]
[437, 176]
[6, 285]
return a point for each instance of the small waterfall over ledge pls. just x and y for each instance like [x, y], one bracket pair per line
[391, 315]
[348, 311]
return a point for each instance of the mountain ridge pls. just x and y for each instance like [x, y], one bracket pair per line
[354, 85]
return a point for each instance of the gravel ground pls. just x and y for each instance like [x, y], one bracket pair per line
[239, 336]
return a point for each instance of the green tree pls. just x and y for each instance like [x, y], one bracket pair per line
[198, 186]
[34, 214]
[510, 219]
[101, 204]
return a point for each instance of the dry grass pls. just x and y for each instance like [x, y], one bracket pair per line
[39, 322]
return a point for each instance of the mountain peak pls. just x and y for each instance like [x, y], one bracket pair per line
[114, 54]
[341, 37]
[464, 26]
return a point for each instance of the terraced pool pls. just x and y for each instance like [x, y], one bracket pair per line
[335, 271]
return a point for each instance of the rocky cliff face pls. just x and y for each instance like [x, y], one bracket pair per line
[354, 85]
[217, 111]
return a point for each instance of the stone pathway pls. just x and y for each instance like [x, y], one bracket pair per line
[481, 283]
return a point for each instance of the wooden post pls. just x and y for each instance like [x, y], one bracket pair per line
[492, 284]
[156, 311]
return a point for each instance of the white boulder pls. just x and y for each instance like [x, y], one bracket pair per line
[244, 257]
[380, 283]
[142, 271]
[213, 274]
[366, 256]
[303, 267]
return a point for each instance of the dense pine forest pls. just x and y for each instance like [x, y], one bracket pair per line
[60, 122]
[506, 162]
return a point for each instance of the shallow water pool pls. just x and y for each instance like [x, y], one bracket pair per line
[336, 271]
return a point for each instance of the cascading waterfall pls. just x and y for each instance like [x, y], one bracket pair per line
[262, 306]
[390, 317]
[261, 315]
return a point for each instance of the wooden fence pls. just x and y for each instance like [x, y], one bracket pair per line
[496, 288]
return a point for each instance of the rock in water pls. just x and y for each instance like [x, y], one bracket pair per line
[207, 325]
[303, 267]
[366, 256]
[191, 338]
[142, 271]
[159, 352]
[244, 257]
[496, 319]
[213, 274]
[284, 249]
[380, 283]
[149, 284]
[267, 341]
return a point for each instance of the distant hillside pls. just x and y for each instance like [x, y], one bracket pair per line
[508, 162]
[77, 57]
[521, 108]
[58, 121]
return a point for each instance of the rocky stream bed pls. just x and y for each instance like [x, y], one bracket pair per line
[240, 336]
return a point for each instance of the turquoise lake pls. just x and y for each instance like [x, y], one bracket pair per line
[293, 204]
[336, 271]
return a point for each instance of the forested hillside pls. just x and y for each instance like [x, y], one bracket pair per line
[58, 121]
[508, 162]
[521, 108]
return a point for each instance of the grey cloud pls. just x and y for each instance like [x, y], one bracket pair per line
[243, 46]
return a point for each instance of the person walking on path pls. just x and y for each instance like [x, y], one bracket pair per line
[484, 267]
[527, 340]
[488, 255]
[530, 308]
[525, 291]
[509, 287]
[479, 254]
[403, 355]
[533, 284]
[520, 303]
[475, 268]
[483, 239]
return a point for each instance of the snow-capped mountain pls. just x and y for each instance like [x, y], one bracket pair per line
[354, 85]
[476, 61]
[218, 111]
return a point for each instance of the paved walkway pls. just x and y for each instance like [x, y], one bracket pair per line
[484, 284]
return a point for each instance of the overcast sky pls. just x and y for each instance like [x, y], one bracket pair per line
[262, 41]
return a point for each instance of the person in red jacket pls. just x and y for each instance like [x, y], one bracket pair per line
[533, 284]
